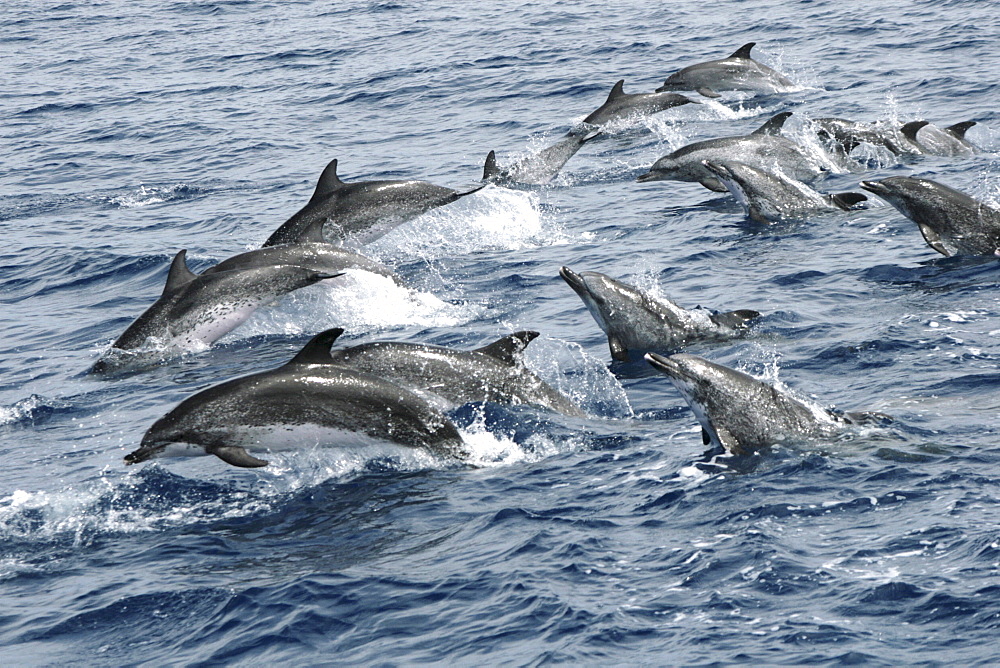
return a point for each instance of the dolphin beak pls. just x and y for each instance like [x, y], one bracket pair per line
[574, 280]
[664, 364]
[649, 176]
[717, 168]
[874, 187]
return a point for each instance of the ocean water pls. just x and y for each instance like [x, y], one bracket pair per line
[132, 130]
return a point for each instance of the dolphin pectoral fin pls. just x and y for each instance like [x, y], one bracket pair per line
[848, 201]
[508, 349]
[713, 184]
[706, 438]
[729, 442]
[618, 350]
[706, 91]
[237, 456]
[933, 239]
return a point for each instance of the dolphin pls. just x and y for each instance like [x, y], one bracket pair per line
[364, 211]
[771, 197]
[199, 309]
[745, 415]
[951, 222]
[540, 168]
[737, 72]
[763, 149]
[849, 134]
[308, 401]
[310, 251]
[623, 105]
[635, 321]
[932, 140]
[493, 373]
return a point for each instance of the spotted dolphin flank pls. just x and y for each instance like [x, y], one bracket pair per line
[745, 415]
[951, 222]
[764, 148]
[363, 211]
[196, 310]
[494, 373]
[737, 72]
[621, 105]
[307, 402]
[773, 197]
[634, 321]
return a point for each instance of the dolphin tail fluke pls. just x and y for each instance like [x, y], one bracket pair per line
[910, 129]
[237, 456]
[744, 51]
[958, 130]
[848, 201]
[317, 351]
[773, 125]
[508, 349]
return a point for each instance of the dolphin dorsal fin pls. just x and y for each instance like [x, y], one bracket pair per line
[773, 125]
[744, 51]
[958, 130]
[617, 91]
[313, 233]
[328, 181]
[490, 170]
[179, 274]
[910, 129]
[317, 351]
[509, 348]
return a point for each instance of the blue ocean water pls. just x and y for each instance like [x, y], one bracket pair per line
[132, 130]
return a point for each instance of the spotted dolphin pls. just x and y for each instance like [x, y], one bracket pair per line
[633, 320]
[361, 212]
[932, 140]
[494, 373]
[745, 415]
[769, 197]
[737, 72]
[951, 222]
[196, 310]
[539, 169]
[620, 105]
[305, 403]
[764, 148]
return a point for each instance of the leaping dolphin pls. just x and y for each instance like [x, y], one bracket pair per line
[764, 149]
[307, 402]
[737, 72]
[196, 310]
[745, 415]
[364, 211]
[635, 321]
[951, 222]
[539, 169]
[772, 197]
[493, 373]
[621, 105]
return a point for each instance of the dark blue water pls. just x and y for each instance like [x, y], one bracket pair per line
[132, 130]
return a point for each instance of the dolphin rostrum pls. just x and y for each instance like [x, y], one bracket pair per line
[494, 373]
[197, 309]
[737, 72]
[307, 402]
[635, 321]
[772, 197]
[540, 168]
[932, 140]
[745, 415]
[364, 211]
[623, 105]
[764, 149]
[951, 222]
